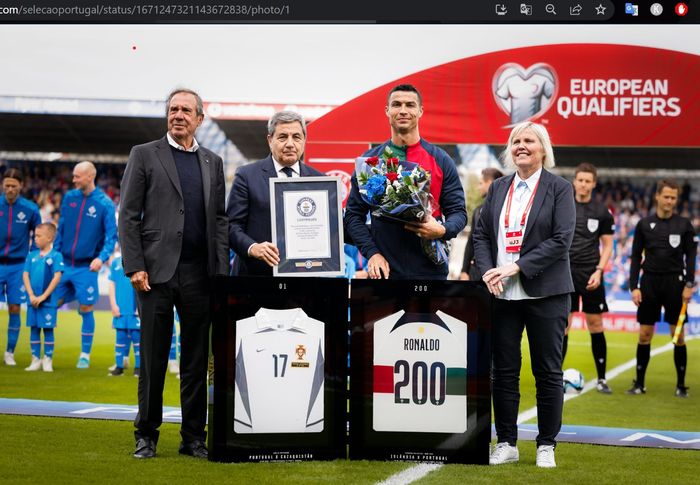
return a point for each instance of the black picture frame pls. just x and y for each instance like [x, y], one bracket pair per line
[324, 299]
[374, 300]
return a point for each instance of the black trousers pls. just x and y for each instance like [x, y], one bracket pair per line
[545, 320]
[189, 291]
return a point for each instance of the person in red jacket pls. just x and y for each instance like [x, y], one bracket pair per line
[392, 248]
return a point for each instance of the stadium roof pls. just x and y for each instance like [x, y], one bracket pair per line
[110, 138]
[104, 138]
[39, 128]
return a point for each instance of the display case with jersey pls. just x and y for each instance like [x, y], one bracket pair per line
[280, 367]
[419, 374]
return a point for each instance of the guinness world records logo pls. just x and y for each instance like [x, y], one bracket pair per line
[306, 207]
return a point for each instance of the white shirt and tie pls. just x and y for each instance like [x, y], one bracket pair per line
[287, 172]
[512, 288]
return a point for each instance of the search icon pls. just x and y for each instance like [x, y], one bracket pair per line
[550, 8]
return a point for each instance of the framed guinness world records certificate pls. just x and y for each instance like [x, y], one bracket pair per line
[307, 227]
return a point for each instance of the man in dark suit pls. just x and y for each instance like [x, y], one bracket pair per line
[250, 230]
[172, 230]
[521, 244]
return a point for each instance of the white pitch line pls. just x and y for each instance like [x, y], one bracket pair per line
[532, 413]
[417, 472]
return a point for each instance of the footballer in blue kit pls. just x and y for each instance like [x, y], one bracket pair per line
[18, 220]
[87, 233]
[125, 318]
[42, 273]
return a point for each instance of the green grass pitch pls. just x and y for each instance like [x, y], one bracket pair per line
[59, 450]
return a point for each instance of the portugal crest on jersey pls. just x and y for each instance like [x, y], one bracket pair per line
[301, 353]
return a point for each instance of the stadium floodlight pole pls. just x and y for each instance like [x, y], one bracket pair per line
[679, 323]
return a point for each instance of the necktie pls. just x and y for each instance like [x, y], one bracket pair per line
[288, 171]
[523, 189]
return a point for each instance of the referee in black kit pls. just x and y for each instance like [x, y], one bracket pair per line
[589, 254]
[668, 243]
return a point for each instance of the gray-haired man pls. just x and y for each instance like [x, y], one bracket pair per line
[248, 208]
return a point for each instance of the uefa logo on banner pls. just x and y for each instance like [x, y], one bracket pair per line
[524, 93]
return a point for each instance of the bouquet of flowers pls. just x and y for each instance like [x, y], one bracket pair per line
[399, 191]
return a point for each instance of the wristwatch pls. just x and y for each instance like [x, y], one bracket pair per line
[690, 284]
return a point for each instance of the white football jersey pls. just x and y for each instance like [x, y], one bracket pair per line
[279, 373]
[420, 373]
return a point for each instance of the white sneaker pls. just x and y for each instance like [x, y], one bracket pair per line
[173, 367]
[83, 361]
[35, 365]
[10, 358]
[47, 364]
[504, 453]
[545, 456]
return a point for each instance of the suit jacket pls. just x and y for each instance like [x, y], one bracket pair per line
[468, 264]
[152, 215]
[544, 256]
[249, 213]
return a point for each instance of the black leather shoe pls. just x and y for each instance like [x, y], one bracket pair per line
[145, 448]
[194, 448]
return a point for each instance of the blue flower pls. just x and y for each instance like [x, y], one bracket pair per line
[375, 187]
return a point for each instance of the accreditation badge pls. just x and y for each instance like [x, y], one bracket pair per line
[514, 240]
[674, 240]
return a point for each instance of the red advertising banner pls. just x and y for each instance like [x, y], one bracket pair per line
[586, 95]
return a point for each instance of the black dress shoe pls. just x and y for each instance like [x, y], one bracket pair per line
[145, 448]
[194, 448]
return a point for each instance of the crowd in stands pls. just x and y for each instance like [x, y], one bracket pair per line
[46, 182]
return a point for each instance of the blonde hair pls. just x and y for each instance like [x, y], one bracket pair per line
[541, 134]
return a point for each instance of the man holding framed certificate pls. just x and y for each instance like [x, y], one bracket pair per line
[250, 233]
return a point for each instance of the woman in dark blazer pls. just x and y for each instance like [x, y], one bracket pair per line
[521, 246]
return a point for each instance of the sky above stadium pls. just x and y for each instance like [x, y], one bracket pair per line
[311, 64]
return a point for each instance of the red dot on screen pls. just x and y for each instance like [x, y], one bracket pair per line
[133, 47]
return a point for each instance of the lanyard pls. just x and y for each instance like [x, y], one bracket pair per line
[527, 207]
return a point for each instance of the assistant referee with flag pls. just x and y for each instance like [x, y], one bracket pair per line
[664, 247]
